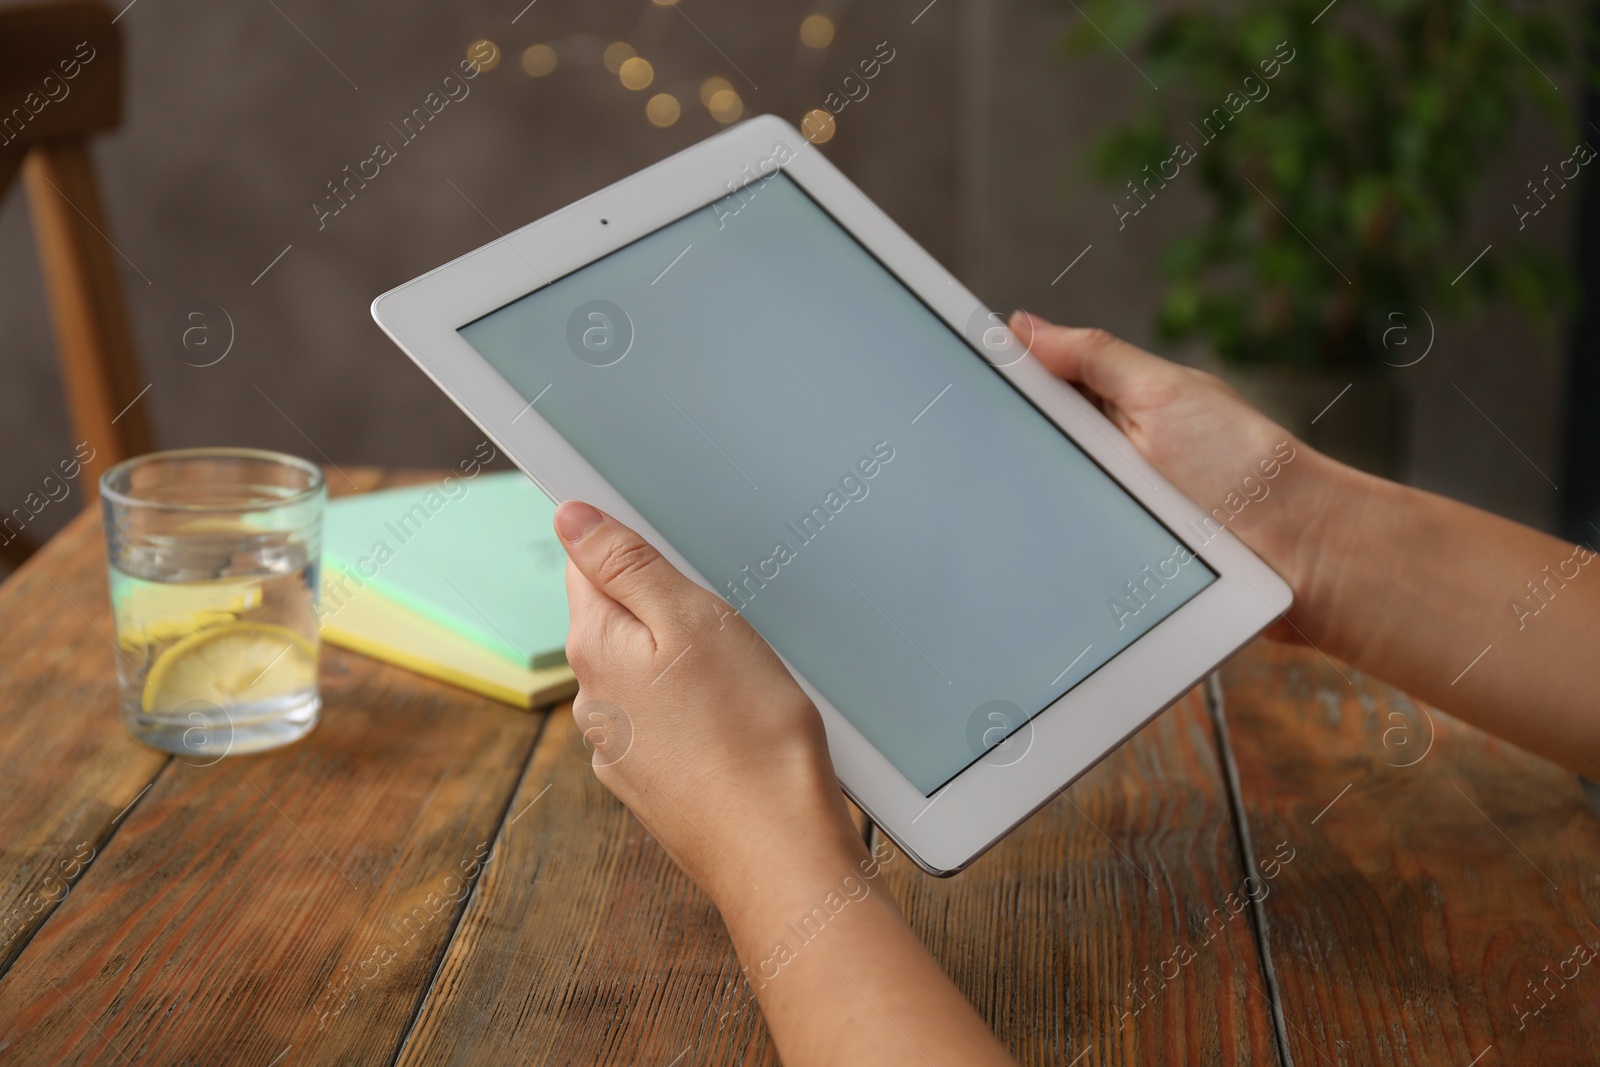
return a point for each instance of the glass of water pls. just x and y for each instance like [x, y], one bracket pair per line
[214, 556]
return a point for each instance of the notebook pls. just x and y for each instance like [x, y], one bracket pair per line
[365, 621]
[476, 556]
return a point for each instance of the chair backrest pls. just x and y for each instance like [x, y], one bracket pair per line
[60, 81]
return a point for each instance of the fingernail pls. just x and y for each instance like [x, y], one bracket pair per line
[574, 518]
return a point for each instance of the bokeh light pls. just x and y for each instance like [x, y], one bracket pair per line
[711, 87]
[662, 110]
[816, 31]
[616, 54]
[818, 125]
[636, 73]
[725, 106]
[484, 53]
[539, 60]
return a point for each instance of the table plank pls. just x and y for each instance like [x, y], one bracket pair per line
[1061, 935]
[277, 901]
[1439, 872]
[59, 695]
[297, 900]
[584, 942]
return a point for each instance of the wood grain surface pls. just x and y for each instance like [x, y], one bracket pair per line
[67, 767]
[585, 943]
[1069, 935]
[58, 695]
[292, 902]
[1311, 870]
[295, 900]
[1438, 873]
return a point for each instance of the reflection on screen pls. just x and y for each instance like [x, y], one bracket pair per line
[889, 513]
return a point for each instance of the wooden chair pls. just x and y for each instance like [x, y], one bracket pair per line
[60, 81]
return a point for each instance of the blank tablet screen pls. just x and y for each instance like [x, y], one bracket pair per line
[852, 475]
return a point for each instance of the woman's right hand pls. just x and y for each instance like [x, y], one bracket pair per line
[1275, 493]
[1404, 585]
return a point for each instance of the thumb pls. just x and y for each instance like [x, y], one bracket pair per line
[1108, 365]
[618, 562]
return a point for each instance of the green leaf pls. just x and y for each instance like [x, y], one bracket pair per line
[1370, 144]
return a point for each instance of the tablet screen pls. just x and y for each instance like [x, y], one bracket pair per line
[853, 477]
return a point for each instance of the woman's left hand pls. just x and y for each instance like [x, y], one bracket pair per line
[696, 724]
[700, 729]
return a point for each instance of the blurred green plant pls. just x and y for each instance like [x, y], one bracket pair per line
[1369, 144]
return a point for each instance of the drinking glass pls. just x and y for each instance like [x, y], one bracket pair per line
[214, 556]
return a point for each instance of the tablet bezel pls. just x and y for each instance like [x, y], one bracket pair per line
[946, 832]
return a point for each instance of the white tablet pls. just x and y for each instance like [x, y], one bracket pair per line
[980, 583]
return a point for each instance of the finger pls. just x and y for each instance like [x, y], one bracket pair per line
[584, 601]
[592, 612]
[1118, 417]
[1106, 364]
[621, 564]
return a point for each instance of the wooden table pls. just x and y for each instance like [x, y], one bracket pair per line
[1411, 878]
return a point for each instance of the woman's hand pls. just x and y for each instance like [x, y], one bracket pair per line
[700, 730]
[1217, 450]
[696, 724]
[1486, 619]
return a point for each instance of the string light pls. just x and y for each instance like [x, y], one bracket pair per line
[616, 54]
[539, 60]
[816, 31]
[484, 54]
[711, 87]
[725, 106]
[662, 110]
[636, 73]
[818, 125]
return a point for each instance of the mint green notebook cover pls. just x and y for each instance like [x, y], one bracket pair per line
[475, 555]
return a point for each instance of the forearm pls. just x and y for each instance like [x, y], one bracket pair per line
[1479, 616]
[842, 978]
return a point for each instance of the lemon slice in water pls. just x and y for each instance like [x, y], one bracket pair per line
[149, 613]
[235, 664]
